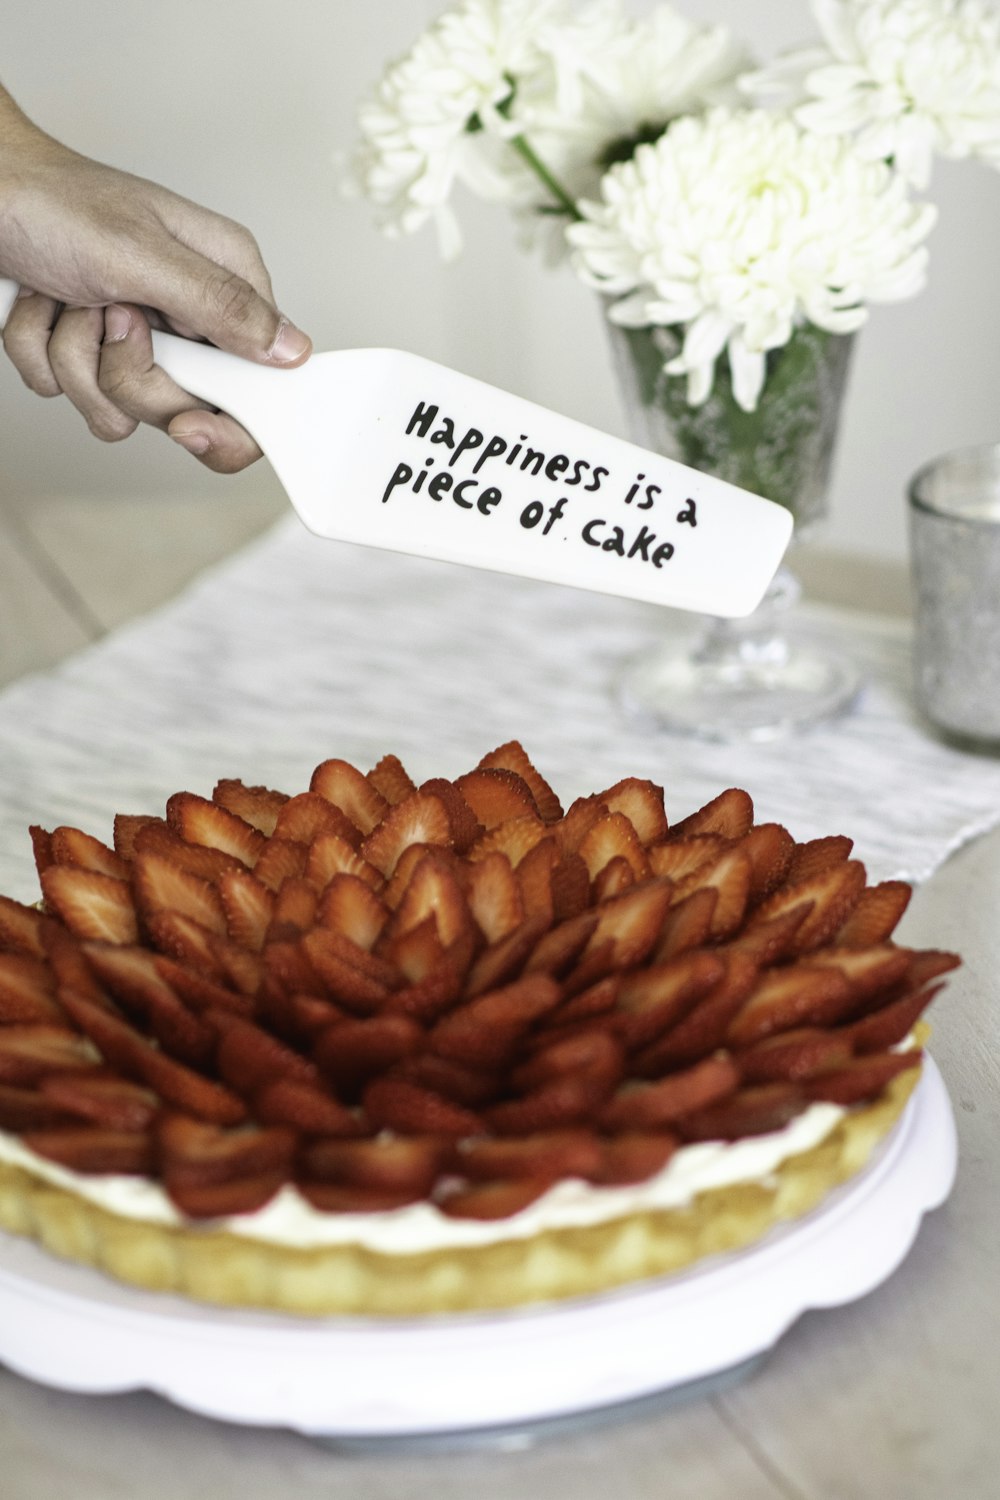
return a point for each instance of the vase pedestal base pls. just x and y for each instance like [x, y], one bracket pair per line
[752, 679]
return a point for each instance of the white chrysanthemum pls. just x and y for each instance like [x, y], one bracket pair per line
[906, 78]
[738, 225]
[415, 127]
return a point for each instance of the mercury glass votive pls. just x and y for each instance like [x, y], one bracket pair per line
[955, 557]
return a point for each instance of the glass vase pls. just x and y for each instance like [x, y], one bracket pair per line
[760, 677]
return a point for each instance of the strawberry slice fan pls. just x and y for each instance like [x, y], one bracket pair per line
[382, 1108]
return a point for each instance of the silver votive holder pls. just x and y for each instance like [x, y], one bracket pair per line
[955, 557]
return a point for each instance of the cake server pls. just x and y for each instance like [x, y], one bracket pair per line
[387, 449]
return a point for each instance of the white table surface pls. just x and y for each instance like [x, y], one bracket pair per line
[897, 1395]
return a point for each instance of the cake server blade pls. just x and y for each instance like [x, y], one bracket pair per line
[387, 449]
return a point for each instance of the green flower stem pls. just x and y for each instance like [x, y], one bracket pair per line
[527, 153]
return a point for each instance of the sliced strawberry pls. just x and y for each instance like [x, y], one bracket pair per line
[862, 1078]
[353, 1051]
[834, 893]
[686, 925]
[462, 1085]
[199, 992]
[304, 1108]
[433, 890]
[111, 1037]
[560, 947]
[352, 976]
[224, 1200]
[391, 780]
[21, 928]
[31, 1052]
[351, 791]
[89, 1149]
[504, 960]
[868, 971]
[613, 837]
[486, 1029]
[332, 855]
[756, 1110]
[432, 995]
[27, 1108]
[417, 953]
[132, 975]
[305, 817]
[534, 880]
[336, 1198]
[634, 1156]
[395, 1164]
[351, 907]
[729, 814]
[247, 1056]
[114, 1103]
[769, 848]
[493, 1200]
[562, 1102]
[631, 923]
[887, 1027]
[549, 1154]
[27, 990]
[201, 821]
[794, 1055]
[769, 941]
[513, 757]
[613, 880]
[91, 905]
[465, 826]
[197, 859]
[652, 1000]
[592, 1055]
[186, 940]
[396, 1104]
[601, 999]
[70, 846]
[248, 906]
[703, 1029]
[875, 915]
[294, 907]
[127, 828]
[790, 997]
[647, 1106]
[516, 838]
[497, 796]
[162, 886]
[188, 1090]
[41, 848]
[494, 894]
[256, 805]
[678, 858]
[201, 1154]
[301, 1018]
[288, 970]
[815, 856]
[421, 819]
[281, 860]
[570, 887]
[642, 803]
[730, 876]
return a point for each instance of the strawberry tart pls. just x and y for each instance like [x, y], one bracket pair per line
[385, 1049]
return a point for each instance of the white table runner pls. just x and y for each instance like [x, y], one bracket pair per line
[298, 649]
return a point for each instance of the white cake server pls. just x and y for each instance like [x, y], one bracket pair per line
[387, 449]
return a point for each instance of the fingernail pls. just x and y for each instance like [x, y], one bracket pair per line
[117, 323]
[290, 343]
[195, 442]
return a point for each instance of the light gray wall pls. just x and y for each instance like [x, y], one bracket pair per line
[242, 104]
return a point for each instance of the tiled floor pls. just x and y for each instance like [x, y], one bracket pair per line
[74, 567]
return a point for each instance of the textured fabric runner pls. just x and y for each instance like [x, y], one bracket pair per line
[297, 649]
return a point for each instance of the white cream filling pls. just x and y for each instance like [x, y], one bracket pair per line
[289, 1220]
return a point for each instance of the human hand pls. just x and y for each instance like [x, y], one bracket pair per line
[103, 256]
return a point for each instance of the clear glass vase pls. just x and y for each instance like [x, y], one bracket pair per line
[761, 677]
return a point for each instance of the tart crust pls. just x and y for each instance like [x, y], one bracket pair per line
[216, 1267]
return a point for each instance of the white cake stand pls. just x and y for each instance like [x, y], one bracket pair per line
[353, 1378]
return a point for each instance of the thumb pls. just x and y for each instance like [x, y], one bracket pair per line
[219, 305]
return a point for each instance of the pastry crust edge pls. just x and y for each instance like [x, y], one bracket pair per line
[224, 1269]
